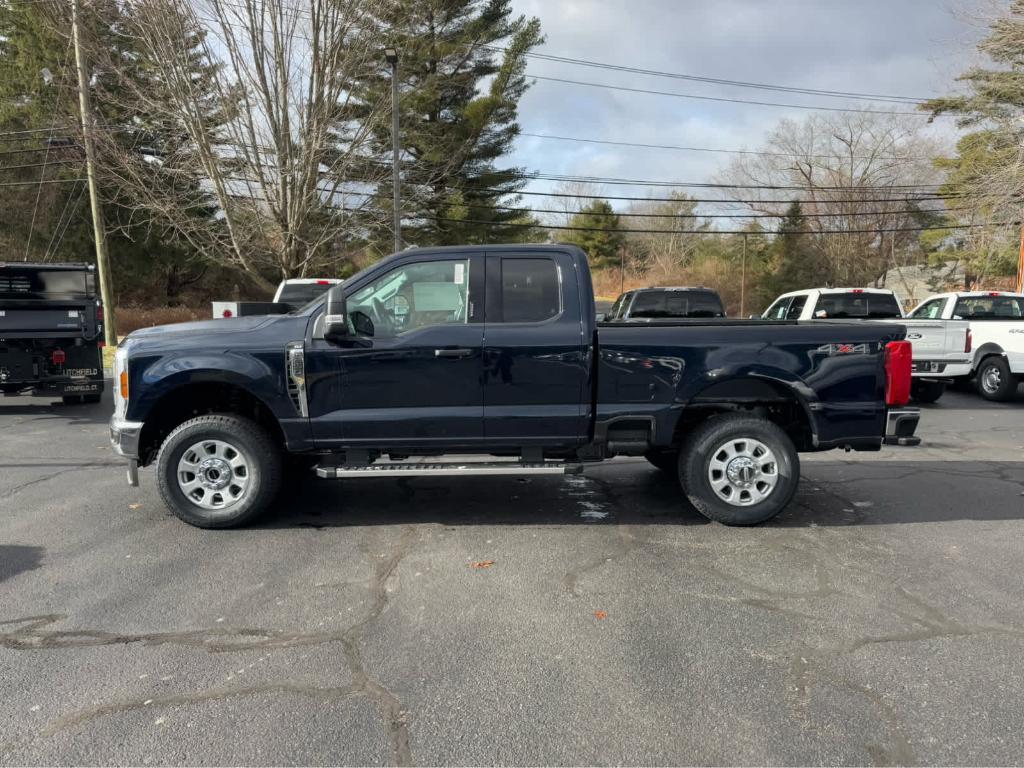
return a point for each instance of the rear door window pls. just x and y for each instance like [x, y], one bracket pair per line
[530, 290]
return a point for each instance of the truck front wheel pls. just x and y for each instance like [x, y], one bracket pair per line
[739, 470]
[219, 471]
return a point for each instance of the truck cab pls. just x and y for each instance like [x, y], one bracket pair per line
[996, 325]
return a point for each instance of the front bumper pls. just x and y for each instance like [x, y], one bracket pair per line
[900, 425]
[124, 439]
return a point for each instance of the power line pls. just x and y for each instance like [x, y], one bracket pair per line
[718, 80]
[726, 99]
[626, 214]
[758, 153]
[873, 231]
[540, 176]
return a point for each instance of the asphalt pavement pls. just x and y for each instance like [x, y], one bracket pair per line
[581, 620]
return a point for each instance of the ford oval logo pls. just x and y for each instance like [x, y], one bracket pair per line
[913, 336]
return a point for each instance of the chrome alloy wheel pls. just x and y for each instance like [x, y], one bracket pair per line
[991, 379]
[213, 474]
[743, 471]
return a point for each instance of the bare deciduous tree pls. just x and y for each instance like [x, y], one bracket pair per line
[850, 172]
[256, 162]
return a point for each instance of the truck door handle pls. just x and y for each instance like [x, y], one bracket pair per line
[454, 353]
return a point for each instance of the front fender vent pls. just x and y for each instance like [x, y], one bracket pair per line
[295, 364]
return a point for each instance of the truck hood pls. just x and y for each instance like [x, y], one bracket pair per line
[211, 333]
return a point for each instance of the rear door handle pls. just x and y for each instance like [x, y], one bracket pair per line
[454, 353]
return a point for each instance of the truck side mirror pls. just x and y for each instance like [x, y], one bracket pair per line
[335, 316]
[601, 317]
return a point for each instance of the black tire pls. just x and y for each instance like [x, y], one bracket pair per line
[666, 461]
[706, 444]
[71, 399]
[927, 391]
[263, 469]
[994, 379]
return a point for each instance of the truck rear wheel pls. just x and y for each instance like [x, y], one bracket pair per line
[739, 470]
[995, 380]
[219, 471]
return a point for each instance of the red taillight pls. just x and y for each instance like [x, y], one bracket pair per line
[58, 357]
[323, 282]
[898, 361]
[994, 293]
[857, 290]
[99, 312]
[968, 341]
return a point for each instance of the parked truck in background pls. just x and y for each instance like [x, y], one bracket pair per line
[996, 323]
[942, 350]
[495, 351]
[291, 294]
[674, 303]
[51, 331]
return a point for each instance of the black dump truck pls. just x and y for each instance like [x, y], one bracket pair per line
[51, 331]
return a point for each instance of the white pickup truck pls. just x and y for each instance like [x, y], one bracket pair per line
[942, 350]
[291, 294]
[996, 320]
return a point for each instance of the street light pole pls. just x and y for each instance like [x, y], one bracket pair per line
[88, 128]
[391, 55]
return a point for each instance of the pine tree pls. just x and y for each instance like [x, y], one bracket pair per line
[795, 262]
[599, 233]
[38, 132]
[462, 73]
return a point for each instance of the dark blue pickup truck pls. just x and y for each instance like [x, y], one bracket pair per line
[432, 354]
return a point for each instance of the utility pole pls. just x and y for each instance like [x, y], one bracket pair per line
[88, 130]
[391, 55]
[743, 280]
[1020, 262]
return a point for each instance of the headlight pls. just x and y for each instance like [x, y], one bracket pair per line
[120, 382]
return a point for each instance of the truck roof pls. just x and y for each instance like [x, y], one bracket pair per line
[974, 294]
[806, 291]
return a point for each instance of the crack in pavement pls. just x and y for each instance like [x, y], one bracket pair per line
[34, 633]
[13, 491]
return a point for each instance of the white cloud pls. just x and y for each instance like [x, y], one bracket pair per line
[907, 47]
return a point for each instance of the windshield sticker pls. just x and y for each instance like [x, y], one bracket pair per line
[460, 270]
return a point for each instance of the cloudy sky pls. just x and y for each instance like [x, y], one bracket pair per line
[901, 47]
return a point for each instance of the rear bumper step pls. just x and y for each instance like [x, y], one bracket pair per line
[900, 425]
[416, 469]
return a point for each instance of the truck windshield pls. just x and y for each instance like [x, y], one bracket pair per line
[857, 304]
[32, 282]
[671, 304]
[990, 308]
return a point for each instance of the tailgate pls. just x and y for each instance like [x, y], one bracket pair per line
[937, 339]
[55, 319]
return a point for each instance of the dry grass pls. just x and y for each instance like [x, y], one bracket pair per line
[717, 275]
[132, 318]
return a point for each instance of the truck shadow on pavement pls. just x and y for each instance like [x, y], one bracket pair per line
[831, 493]
[16, 558]
[41, 409]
